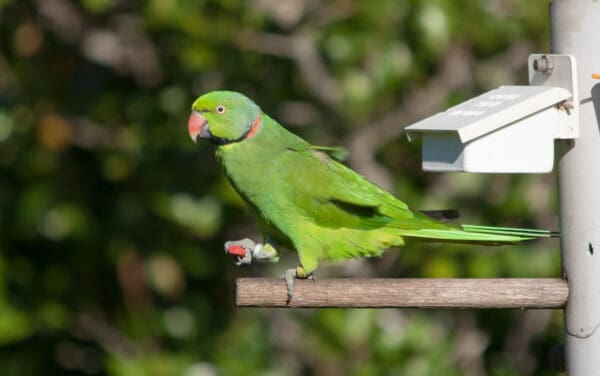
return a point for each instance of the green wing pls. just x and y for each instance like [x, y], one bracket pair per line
[339, 197]
[335, 196]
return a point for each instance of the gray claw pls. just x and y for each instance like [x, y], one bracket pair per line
[289, 277]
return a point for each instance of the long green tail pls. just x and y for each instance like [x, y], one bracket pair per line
[474, 234]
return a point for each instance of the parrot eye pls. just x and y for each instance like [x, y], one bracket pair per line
[221, 109]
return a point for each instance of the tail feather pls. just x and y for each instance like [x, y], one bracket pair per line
[486, 235]
[524, 232]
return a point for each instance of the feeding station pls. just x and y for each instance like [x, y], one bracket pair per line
[510, 129]
[554, 120]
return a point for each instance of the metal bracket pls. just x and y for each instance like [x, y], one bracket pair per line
[558, 71]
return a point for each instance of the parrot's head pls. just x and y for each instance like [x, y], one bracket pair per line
[224, 117]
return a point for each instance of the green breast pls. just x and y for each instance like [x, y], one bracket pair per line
[253, 167]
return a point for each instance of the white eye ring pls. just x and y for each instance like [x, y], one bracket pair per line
[220, 109]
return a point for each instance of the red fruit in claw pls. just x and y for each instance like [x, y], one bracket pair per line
[236, 250]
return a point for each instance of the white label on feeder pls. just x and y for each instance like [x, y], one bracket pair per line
[487, 103]
[505, 97]
[466, 113]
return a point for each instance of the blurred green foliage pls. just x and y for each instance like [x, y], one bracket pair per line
[112, 221]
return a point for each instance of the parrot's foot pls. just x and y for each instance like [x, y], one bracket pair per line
[289, 277]
[241, 250]
[245, 250]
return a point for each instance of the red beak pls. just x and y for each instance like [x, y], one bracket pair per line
[197, 126]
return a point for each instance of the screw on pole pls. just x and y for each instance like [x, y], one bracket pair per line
[566, 105]
[544, 65]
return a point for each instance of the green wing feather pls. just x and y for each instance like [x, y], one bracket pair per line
[338, 153]
[522, 232]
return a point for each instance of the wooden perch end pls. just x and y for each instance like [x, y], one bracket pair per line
[405, 293]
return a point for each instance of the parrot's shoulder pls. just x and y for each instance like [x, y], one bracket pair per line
[295, 143]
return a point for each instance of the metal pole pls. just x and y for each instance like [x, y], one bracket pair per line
[575, 30]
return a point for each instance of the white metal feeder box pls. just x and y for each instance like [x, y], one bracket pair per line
[510, 129]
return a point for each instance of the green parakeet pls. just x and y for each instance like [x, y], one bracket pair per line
[305, 199]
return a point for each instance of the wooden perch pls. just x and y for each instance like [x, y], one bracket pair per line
[405, 293]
